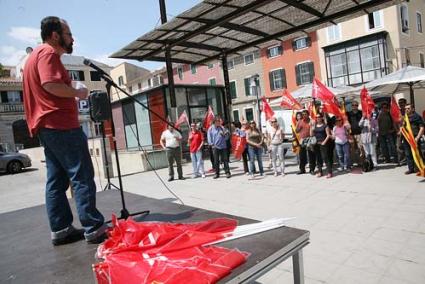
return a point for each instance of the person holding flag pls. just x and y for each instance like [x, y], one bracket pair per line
[170, 141]
[217, 136]
[303, 129]
[413, 130]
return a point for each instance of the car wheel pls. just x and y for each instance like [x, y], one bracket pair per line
[14, 167]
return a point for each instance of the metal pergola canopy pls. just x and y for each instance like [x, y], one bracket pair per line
[216, 27]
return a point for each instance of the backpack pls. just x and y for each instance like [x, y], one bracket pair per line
[367, 165]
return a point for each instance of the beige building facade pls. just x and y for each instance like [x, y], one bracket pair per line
[370, 46]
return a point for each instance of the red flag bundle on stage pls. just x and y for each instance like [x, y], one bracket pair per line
[269, 113]
[288, 101]
[395, 111]
[368, 104]
[407, 132]
[238, 145]
[208, 118]
[156, 252]
[182, 119]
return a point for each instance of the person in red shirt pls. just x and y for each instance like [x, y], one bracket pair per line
[196, 142]
[52, 115]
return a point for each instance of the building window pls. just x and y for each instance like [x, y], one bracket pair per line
[139, 86]
[419, 22]
[304, 73]
[11, 97]
[180, 72]
[212, 82]
[130, 89]
[236, 115]
[249, 59]
[277, 79]
[274, 51]
[230, 64]
[356, 62]
[210, 65]
[193, 68]
[301, 43]
[249, 114]
[150, 82]
[120, 80]
[232, 86]
[157, 80]
[94, 76]
[404, 16]
[374, 20]
[334, 32]
[422, 60]
[76, 75]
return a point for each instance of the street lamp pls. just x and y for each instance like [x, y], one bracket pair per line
[256, 91]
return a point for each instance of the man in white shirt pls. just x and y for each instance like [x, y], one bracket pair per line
[170, 141]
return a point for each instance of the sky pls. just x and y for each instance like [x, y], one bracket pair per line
[99, 27]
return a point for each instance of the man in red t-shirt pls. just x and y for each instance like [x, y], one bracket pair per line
[51, 112]
[196, 142]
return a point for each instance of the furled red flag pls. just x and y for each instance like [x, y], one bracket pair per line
[312, 110]
[407, 132]
[297, 138]
[288, 101]
[182, 119]
[238, 145]
[367, 103]
[395, 111]
[267, 109]
[344, 113]
[208, 118]
[321, 92]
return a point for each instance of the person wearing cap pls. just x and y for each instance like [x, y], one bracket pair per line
[217, 136]
[196, 142]
[170, 141]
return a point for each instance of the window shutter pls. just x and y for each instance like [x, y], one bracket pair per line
[298, 75]
[311, 71]
[233, 90]
[271, 81]
[283, 74]
[280, 50]
[308, 41]
[21, 96]
[81, 75]
[268, 53]
[246, 81]
[4, 98]
[294, 45]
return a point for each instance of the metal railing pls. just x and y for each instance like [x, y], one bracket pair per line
[11, 107]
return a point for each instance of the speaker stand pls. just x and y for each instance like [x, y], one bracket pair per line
[109, 185]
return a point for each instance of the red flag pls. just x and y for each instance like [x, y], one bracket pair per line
[238, 145]
[267, 109]
[332, 107]
[367, 103]
[312, 110]
[183, 118]
[344, 113]
[321, 92]
[208, 118]
[288, 101]
[395, 111]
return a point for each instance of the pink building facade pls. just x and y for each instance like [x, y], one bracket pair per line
[210, 74]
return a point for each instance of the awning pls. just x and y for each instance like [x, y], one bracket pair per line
[216, 27]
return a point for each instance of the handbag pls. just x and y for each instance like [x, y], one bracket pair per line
[309, 141]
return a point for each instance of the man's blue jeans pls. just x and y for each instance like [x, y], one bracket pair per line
[68, 161]
[255, 152]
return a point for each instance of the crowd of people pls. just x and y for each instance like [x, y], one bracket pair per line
[361, 140]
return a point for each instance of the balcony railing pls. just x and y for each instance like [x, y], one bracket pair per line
[12, 107]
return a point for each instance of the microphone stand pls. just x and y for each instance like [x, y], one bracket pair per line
[109, 83]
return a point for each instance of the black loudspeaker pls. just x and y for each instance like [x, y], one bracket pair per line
[100, 107]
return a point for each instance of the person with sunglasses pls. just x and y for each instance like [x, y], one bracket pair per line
[323, 135]
[275, 138]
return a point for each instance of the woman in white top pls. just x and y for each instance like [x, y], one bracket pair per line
[275, 138]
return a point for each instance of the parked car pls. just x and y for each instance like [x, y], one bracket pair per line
[13, 162]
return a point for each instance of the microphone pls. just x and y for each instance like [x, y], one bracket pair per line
[92, 65]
